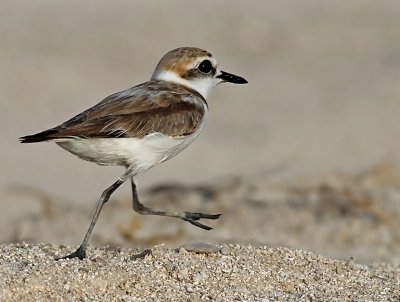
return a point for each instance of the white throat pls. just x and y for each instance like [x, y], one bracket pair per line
[202, 86]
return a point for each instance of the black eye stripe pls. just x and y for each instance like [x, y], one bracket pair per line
[205, 66]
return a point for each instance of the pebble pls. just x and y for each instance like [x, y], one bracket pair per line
[98, 259]
[200, 247]
[225, 250]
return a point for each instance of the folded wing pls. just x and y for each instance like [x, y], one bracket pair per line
[147, 108]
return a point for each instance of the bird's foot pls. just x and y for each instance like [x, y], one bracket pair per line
[79, 253]
[194, 217]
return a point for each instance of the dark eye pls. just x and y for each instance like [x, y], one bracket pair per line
[205, 66]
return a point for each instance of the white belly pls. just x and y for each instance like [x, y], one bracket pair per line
[140, 153]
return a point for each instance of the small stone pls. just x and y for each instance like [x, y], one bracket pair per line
[83, 270]
[98, 259]
[225, 250]
[182, 250]
[142, 254]
[200, 247]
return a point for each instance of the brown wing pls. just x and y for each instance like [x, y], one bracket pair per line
[178, 119]
[154, 106]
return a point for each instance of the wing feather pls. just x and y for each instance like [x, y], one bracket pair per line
[154, 106]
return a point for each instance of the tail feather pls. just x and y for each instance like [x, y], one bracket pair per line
[38, 137]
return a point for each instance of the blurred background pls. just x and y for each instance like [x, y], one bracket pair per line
[306, 155]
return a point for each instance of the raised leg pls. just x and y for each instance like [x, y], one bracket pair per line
[81, 251]
[186, 216]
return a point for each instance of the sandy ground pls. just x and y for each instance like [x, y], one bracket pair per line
[229, 273]
[305, 156]
[336, 215]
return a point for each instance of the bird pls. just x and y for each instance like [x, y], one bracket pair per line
[143, 126]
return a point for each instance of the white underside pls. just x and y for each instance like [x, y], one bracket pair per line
[138, 153]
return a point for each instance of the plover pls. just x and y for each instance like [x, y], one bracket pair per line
[144, 125]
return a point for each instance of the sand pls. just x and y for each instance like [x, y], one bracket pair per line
[234, 273]
[338, 215]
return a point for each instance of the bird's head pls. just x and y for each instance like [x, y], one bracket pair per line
[194, 68]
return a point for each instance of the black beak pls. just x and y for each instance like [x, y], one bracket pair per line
[231, 78]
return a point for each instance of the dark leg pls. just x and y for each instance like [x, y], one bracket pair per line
[186, 216]
[81, 251]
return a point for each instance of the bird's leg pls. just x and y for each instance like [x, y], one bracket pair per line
[81, 251]
[186, 216]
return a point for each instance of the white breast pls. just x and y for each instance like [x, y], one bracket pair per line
[139, 153]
